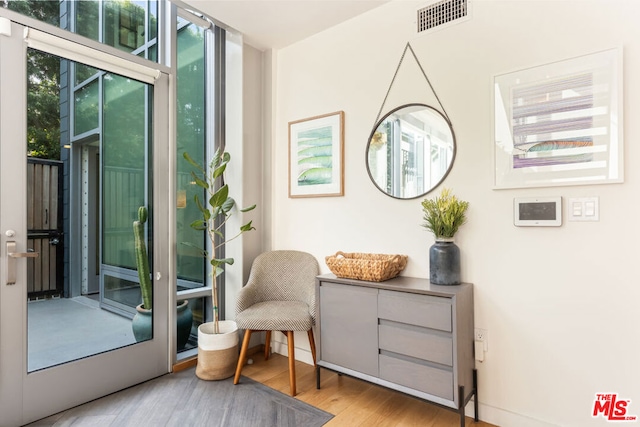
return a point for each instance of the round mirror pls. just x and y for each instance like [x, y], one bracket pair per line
[410, 151]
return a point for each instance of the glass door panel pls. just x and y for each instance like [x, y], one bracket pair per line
[59, 326]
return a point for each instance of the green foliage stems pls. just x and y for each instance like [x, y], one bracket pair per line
[444, 215]
[215, 214]
[142, 261]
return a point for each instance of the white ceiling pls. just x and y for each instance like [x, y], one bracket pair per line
[273, 24]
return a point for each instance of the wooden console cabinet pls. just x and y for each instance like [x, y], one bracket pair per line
[405, 334]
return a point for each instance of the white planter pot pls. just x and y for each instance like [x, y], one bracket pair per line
[217, 353]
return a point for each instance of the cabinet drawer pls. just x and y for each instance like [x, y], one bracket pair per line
[421, 310]
[416, 343]
[437, 382]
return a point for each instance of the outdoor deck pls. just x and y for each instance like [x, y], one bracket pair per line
[63, 329]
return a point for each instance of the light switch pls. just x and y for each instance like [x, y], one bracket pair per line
[584, 209]
[576, 207]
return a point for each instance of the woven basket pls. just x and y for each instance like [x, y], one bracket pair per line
[371, 267]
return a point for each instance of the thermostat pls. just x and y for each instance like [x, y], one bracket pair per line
[537, 211]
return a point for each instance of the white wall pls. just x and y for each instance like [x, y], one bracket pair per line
[247, 178]
[245, 144]
[560, 304]
[253, 143]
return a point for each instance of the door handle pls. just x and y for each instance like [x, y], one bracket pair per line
[11, 261]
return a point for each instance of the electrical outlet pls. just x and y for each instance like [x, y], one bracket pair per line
[482, 335]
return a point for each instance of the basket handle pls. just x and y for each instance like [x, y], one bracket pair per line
[339, 253]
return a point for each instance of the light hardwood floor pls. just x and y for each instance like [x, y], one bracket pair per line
[352, 401]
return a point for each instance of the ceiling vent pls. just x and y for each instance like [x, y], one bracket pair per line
[442, 12]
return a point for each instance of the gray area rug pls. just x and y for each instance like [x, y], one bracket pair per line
[181, 399]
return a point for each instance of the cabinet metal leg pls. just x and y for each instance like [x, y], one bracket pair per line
[475, 395]
[317, 377]
[461, 404]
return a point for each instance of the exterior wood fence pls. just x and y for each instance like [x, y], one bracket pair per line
[45, 274]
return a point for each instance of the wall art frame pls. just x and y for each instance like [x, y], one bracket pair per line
[316, 156]
[560, 123]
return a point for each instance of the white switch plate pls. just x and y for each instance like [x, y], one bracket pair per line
[583, 209]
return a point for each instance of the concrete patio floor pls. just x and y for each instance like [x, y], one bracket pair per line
[61, 330]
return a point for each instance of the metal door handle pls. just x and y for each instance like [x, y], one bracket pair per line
[11, 263]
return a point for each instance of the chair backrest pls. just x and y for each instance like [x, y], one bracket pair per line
[285, 276]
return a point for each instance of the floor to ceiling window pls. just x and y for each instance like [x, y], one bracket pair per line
[191, 138]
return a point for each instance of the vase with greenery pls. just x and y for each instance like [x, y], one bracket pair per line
[217, 340]
[142, 324]
[443, 216]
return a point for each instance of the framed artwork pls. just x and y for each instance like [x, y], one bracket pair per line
[316, 152]
[560, 123]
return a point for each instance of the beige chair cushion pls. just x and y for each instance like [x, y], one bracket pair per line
[276, 316]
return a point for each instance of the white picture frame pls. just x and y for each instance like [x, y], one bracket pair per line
[560, 123]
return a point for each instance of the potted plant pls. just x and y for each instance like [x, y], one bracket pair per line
[443, 216]
[142, 324]
[217, 340]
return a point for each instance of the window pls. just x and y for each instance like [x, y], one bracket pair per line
[131, 26]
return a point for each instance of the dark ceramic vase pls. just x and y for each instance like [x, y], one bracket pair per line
[444, 263]
[185, 320]
[142, 323]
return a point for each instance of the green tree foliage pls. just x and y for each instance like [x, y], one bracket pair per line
[43, 105]
[43, 86]
[43, 10]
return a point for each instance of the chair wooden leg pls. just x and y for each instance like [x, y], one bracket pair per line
[243, 355]
[312, 344]
[267, 345]
[292, 362]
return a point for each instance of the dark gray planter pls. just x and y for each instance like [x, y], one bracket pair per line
[444, 263]
[142, 323]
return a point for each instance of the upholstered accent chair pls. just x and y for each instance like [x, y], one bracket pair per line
[279, 296]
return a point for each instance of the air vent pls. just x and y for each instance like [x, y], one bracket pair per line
[441, 13]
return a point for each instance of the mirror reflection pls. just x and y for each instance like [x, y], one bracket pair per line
[410, 151]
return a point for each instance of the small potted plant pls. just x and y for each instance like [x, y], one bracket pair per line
[142, 324]
[217, 340]
[443, 216]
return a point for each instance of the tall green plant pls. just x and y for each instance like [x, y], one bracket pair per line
[444, 214]
[216, 211]
[142, 260]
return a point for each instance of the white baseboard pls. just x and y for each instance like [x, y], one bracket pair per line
[301, 354]
[503, 418]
